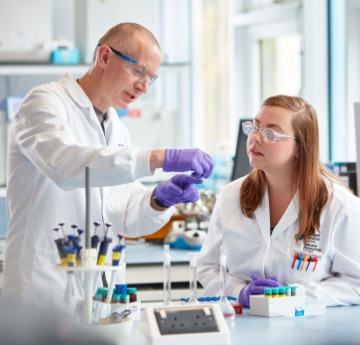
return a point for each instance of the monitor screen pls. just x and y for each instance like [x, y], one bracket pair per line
[3, 218]
[241, 165]
[357, 134]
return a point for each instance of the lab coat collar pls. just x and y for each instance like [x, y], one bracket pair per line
[262, 215]
[75, 92]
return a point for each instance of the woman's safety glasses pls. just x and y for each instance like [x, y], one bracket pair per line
[139, 72]
[268, 135]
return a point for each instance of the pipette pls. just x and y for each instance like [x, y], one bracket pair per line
[74, 227]
[78, 246]
[225, 306]
[167, 280]
[193, 279]
[62, 229]
[95, 238]
[60, 247]
[104, 245]
[118, 251]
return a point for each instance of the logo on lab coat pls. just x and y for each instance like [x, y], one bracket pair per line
[312, 245]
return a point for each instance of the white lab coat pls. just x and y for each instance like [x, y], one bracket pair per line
[54, 136]
[251, 249]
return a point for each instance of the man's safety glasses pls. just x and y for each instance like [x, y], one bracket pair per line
[268, 135]
[139, 72]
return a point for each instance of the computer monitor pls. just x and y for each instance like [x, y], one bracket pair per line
[347, 173]
[357, 135]
[3, 218]
[241, 165]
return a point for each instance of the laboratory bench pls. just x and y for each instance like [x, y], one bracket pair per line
[339, 325]
[144, 270]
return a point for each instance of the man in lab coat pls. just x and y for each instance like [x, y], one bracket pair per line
[63, 127]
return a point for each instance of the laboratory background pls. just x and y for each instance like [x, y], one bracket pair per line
[221, 59]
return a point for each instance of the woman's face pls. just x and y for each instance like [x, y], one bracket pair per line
[278, 157]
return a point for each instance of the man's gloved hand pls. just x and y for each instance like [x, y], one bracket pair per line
[179, 189]
[256, 287]
[195, 160]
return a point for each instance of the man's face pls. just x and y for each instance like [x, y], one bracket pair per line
[127, 77]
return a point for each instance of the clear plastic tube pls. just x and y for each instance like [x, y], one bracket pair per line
[167, 277]
[193, 279]
[225, 305]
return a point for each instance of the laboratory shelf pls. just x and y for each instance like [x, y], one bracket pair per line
[35, 70]
[48, 69]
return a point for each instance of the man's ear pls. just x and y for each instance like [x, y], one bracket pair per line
[103, 55]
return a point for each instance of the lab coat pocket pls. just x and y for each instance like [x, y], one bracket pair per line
[47, 282]
[302, 266]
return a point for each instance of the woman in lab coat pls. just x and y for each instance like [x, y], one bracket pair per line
[63, 127]
[289, 221]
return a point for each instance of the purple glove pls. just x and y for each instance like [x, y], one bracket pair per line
[179, 189]
[256, 287]
[195, 160]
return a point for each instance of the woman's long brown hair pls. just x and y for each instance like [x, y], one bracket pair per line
[310, 176]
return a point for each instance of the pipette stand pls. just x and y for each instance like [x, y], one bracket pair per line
[90, 272]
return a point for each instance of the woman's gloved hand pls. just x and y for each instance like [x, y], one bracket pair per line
[179, 189]
[256, 287]
[195, 160]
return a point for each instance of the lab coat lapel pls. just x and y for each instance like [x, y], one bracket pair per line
[81, 99]
[262, 215]
[75, 91]
[289, 217]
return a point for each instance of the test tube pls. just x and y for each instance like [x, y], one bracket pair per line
[287, 291]
[267, 293]
[167, 278]
[225, 306]
[193, 278]
[275, 292]
[293, 290]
